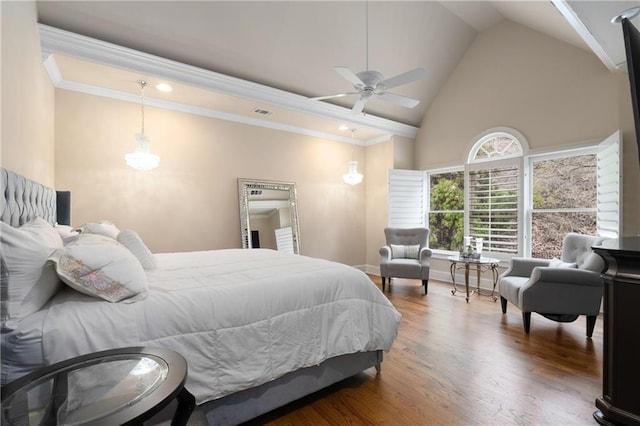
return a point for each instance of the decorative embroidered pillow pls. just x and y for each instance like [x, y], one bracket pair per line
[405, 252]
[131, 240]
[101, 267]
[27, 280]
[557, 263]
[104, 227]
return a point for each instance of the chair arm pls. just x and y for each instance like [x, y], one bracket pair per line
[385, 254]
[523, 266]
[570, 276]
[425, 256]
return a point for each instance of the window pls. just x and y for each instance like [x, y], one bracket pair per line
[563, 200]
[494, 187]
[446, 210]
[517, 208]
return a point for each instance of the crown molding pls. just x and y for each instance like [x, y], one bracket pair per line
[54, 40]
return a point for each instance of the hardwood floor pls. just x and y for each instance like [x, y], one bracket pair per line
[455, 363]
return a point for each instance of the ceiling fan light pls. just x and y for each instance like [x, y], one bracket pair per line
[352, 177]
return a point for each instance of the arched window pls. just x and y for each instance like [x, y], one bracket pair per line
[494, 188]
[494, 146]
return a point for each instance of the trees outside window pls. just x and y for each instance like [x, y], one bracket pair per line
[446, 210]
[564, 199]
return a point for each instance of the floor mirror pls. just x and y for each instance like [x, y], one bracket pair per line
[269, 215]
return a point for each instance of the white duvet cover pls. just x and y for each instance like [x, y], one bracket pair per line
[241, 318]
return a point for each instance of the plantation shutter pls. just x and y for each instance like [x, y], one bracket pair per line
[609, 159]
[407, 189]
[493, 207]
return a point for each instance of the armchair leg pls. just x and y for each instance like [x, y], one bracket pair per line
[425, 283]
[503, 302]
[526, 319]
[383, 282]
[591, 323]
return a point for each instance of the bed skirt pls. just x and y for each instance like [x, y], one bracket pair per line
[248, 404]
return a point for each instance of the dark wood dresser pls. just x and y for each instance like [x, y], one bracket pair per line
[620, 400]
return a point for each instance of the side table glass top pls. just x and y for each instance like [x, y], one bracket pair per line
[109, 389]
[482, 260]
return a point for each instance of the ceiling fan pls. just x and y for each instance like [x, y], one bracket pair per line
[369, 83]
[372, 83]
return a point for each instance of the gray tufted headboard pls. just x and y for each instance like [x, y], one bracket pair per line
[24, 199]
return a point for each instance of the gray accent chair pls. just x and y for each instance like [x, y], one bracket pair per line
[560, 292]
[406, 255]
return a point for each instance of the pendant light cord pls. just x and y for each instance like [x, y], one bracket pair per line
[142, 86]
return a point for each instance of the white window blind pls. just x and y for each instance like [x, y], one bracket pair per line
[406, 198]
[493, 207]
[609, 187]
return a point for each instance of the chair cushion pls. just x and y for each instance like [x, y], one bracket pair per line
[557, 263]
[592, 262]
[405, 251]
[509, 288]
[404, 268]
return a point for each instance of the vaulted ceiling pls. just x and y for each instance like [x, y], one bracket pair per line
[227, 59]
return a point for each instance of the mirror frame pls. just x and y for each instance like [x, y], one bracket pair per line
[246, 185]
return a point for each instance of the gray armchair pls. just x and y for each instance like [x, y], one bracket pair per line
[559, 290]
[406, 255]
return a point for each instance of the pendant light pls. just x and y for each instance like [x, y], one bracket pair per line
[352, 177]
[142, 158]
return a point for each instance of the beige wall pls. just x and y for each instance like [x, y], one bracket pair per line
[191, 201]
[551, 92]
[379, 161]
[27, 97]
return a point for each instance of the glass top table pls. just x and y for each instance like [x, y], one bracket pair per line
[480, 265]
[114, 387]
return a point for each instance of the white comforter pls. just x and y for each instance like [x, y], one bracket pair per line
[240, 317]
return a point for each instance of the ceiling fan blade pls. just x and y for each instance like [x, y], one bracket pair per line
[350, 76]
[404, 78]
[359, 106]
[338, 95]
[399, 100]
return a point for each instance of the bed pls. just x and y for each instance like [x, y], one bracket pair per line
[258, 328]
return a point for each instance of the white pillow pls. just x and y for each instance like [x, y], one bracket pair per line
[405, 252]
[104, 227]
[100, 266]
[28, 281]
[557, 263]
[131, 240]
[67, 233]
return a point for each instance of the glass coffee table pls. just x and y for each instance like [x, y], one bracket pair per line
[480, 265]
[114, 387]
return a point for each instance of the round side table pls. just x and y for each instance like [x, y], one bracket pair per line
[115, 387]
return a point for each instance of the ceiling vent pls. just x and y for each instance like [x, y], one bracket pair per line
[262, 111]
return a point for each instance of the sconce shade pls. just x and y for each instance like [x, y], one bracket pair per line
[353, 177]
[142, 158]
